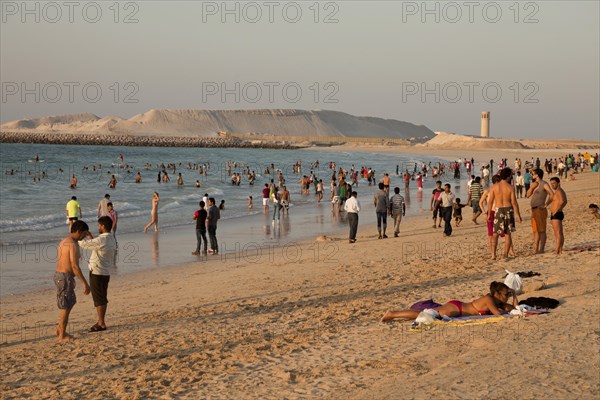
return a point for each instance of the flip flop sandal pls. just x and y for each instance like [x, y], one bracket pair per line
[96, 328]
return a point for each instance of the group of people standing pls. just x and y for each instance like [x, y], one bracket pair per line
[206, 220]
[101, 262]
[384, 206]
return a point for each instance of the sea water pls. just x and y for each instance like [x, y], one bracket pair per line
[33, 218]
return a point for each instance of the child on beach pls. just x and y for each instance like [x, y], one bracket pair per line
[458, 211]
[250, 205]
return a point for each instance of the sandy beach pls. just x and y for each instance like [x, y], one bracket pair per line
[303, 321]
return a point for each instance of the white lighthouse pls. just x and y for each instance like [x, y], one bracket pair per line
[485, 124]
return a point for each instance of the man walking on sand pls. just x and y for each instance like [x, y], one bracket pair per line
[352, 207]
[381, 203]
[475, 193]
[559, 201]
[502, 199]
[67, 268]
[101, 262]
[446, 201]
[397, 210]
[541, 196]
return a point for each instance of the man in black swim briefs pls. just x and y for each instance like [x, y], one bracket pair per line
[559, 201]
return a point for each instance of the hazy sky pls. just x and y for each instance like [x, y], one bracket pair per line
[534, 65]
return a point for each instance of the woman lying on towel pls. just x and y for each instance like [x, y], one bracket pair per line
[493, 303]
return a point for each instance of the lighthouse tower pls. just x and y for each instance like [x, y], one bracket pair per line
[485, 124]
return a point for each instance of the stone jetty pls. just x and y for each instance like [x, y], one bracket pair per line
[147, 141]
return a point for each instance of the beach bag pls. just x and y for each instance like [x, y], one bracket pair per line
[541, 302]
[422, 305]
[514, 282]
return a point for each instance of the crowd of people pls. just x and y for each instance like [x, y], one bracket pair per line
[493, 193]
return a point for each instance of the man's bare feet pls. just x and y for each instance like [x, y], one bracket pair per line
[65, 338]
[145, 230]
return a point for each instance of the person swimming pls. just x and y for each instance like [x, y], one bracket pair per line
[494, 303]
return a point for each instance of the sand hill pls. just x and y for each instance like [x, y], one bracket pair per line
[451, 141]
[206, 123]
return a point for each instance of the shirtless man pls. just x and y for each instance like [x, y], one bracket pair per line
[489, 210]
[502, 198]
[559, 201]
[541, 196]
[285, 200]
[67, 268]
[386, 182]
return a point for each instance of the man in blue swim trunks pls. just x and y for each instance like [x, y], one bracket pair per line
[67, 268]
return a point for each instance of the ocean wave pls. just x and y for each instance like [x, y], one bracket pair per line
[189, 197]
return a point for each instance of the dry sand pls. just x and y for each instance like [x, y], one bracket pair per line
[306, 325]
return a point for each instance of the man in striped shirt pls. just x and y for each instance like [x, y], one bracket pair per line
[474, 195]
[397, 210]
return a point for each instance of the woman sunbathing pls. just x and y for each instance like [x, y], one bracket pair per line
[492, 303]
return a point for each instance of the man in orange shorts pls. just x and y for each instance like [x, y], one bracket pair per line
[541, 196]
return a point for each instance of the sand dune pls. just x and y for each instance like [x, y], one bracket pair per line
[445, 140]
[209, 122]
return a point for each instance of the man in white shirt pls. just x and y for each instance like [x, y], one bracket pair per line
[447, 199]
[352, 207]
[470, 182]
[101, 262]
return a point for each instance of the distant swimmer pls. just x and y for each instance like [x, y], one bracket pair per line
[179, 180]
[37, 158]
[73, 182]
[138, 178]
[113, 182]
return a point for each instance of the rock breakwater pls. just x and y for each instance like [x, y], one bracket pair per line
[147, 141]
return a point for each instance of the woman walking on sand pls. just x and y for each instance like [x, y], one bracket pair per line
[154, 214]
